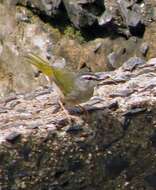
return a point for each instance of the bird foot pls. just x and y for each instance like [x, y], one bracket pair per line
[69, 117]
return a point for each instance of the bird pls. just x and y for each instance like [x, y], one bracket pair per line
[72, 88]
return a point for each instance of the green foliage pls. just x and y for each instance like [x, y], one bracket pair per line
[71, 32]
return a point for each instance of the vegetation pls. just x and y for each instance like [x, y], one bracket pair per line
[71, 32]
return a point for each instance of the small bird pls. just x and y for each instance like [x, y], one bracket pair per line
[73, 88]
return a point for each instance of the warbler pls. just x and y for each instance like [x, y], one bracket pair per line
[73, 88]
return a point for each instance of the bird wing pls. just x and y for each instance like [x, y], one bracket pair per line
[65, 80]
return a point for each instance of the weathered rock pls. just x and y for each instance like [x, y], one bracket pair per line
[132, 63]
[99, 151]
[113, 145]
[149, 14]
[144, 48]
[105, 18]
[43, 43]
[131, 14]
[149, 37]
[18, 36]
[13, 136]
[112, 59]
[64, 164]
[50, 7]
[95, 54]
[78, 15]
[127, 16]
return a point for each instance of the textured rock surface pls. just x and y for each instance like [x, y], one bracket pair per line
[23, 31]
[113, 147]
[18, 36]
[40, 150]
[129, 14]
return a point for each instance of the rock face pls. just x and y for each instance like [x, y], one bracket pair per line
[80, 16]
[107, 35]
[41, 150]
[128, 16]
[51, 7]
[18, 36]
[112, 147]
[112, 144]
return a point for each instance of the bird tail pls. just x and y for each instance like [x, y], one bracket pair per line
[41, 64]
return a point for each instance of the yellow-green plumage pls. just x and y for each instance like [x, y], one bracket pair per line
[71, 87]
[63, 79]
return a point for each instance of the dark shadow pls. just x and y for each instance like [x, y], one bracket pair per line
[61, 21]
[138, 31]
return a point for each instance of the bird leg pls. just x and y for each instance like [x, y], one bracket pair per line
[66, 112]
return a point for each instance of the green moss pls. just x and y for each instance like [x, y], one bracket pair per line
[71, 32]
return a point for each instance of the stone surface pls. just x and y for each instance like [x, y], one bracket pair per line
[110, 143]
[144, 48]
[132, 63]
[129, 16]
[18, 36]
[112, 146]
[149, 37]
[23, 31]
[50, 7]
[78, 15]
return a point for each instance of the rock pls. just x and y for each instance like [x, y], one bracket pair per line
[137, 107]
[144, 48]
[13, 136]
[95, 54]
[149, 37]
[1, 48]
[132, 15]
[18, 37]
[134, 111]
[40, 147]
[154, 13]
[107, 146]
[112, 59]
[50, 8]
[150, 179]
[105, 150]
[149, 15]
[105, 18]
[126, 17]
[151, 61]
[132, 63]
[115, 165]
[75, 128]
[78, 15]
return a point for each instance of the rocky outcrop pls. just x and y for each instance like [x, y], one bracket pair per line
[18, 36]
[23, 32]
[126, 17]
[82, 13]
[112, 146]
[103, 49]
